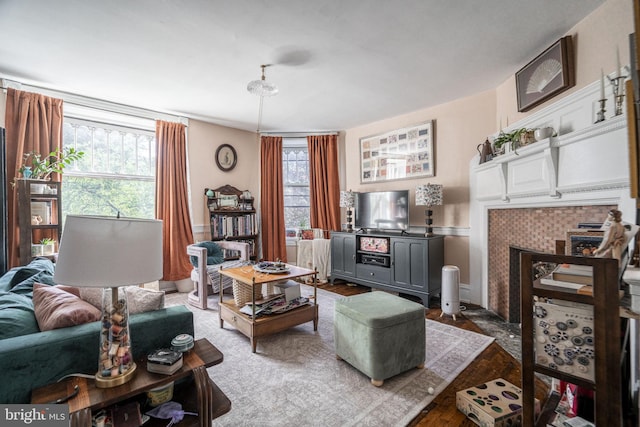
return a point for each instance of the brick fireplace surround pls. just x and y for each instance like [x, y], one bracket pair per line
[535, 229]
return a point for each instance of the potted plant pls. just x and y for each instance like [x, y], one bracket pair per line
[34, 166]
[48, 246]
[525, 136]
[516, 138]
[500, 141]
[37, 249]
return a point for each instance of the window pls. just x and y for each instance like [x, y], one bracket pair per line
[295, 177]
[116, 174]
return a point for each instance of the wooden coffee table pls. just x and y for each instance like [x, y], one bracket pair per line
[203, 397]
[254, 327]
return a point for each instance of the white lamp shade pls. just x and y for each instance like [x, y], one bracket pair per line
[429, 195]
[109, 252]
[347, 199]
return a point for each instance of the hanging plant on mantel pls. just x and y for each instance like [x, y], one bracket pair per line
[34, 166]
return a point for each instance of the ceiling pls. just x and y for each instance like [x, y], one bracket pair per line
[337, 63]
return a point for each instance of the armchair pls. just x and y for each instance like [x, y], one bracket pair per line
[204, 274]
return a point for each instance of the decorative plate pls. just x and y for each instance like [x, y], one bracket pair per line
[271, 267]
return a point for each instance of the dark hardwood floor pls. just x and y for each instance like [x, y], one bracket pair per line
[494, 362]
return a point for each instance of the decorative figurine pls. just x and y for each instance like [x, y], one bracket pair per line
[614, 238]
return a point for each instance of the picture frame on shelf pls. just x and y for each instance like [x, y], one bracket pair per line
[583, 242]
[227, 201]
[547, 75]
[404, 153]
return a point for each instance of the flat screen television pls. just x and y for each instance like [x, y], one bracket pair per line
[382, 210]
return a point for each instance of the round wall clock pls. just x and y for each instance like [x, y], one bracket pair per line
[226, 157]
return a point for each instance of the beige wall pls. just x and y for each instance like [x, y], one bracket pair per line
[463, 124]
[203, 140]
[595, 40]
[459, 126]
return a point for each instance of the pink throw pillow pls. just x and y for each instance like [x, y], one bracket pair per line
[56, 308]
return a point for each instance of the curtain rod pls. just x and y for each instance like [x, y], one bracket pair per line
[95, 103]
[299, 134]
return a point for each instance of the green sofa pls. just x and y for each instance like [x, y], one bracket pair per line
[32, 358]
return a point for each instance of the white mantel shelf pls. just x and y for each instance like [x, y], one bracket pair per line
[586, 164]
[589, 159]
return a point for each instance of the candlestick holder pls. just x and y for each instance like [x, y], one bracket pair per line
[619, 99]
[600, 117]
[617, 84]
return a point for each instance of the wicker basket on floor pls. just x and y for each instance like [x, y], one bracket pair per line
[242, 293]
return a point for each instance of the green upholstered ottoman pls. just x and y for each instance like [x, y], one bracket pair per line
[380, 334]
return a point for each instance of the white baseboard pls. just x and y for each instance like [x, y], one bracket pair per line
[465, 293]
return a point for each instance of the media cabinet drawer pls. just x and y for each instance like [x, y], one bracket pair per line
[373, 273]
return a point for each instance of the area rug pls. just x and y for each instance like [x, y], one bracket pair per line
[294, 378]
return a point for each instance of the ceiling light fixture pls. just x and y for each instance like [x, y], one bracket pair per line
[262, 87]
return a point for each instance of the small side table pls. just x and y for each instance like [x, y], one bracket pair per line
[205, 398]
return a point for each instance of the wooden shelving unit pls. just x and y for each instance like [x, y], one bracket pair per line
[232, 216]
[601, 350]
[38, 199]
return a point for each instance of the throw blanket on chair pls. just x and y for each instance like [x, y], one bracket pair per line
[315, 254]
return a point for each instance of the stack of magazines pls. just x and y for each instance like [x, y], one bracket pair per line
[164, 361]
[273, 304]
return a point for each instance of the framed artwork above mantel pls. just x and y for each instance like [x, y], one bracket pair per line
[404, 153]
[546, 75]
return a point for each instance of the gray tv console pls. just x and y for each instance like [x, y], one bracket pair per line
[404, 263]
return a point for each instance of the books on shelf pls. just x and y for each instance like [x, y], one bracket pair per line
[566, 286]
[233, 225]
[581, 274]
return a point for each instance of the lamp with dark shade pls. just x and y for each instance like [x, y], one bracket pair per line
[109, 252]
[429, 195]
[347, 200]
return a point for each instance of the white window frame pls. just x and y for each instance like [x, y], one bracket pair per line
[294, 142]
[76, 116]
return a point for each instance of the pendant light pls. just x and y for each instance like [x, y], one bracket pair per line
[262, 87]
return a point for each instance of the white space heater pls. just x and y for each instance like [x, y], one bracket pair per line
[450, 294]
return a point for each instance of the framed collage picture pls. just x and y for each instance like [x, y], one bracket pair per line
[399, 154]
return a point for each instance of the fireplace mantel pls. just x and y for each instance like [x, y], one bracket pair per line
[585, 164]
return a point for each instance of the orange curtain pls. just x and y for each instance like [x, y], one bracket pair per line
[172, 205]
[33, 123]
[272, 199]
[324, 182]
